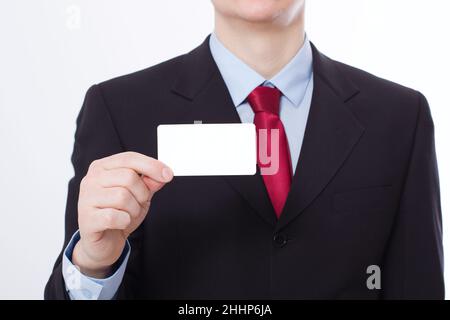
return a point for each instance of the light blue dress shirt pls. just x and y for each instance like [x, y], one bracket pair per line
[295, 81]
[81, 287]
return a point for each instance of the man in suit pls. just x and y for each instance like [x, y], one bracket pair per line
[357, 189]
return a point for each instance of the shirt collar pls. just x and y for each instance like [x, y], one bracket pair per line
[240, 79]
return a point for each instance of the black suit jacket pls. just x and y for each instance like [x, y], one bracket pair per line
[365, 192]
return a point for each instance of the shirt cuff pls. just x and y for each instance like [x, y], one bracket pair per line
[81, 287]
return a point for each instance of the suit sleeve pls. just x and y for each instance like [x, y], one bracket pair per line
[413, 264]
[95, 138]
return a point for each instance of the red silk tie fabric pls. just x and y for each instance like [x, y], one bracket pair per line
[276, 173]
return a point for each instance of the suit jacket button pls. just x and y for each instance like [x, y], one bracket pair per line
[280, 240]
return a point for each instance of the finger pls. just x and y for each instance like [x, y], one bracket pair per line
[126, 178]
[152, 185]
[109, 219]
[117, 198]
[140, 163]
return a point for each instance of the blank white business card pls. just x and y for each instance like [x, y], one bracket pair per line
[208, 149]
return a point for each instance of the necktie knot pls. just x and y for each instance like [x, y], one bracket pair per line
[265, 99]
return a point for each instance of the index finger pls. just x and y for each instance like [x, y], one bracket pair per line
[140, 163]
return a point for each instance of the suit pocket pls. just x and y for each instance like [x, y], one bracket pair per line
[370, 199]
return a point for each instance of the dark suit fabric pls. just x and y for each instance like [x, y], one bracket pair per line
[365, 192]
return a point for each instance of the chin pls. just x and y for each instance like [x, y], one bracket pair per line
[258, 11]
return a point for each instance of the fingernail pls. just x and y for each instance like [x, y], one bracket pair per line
[167, 174]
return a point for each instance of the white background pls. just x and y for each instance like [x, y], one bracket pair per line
[48, 60]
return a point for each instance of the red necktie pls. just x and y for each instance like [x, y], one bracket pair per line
[277, 175]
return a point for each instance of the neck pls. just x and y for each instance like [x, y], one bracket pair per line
[266, 48]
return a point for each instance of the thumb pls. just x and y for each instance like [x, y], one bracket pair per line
[153, 185]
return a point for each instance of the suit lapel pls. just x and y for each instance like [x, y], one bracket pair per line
[331, 134]
[208, 100]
